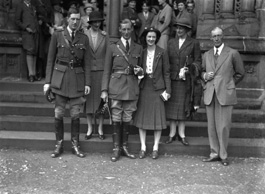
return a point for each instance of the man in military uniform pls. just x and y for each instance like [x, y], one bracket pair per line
[120, 84]
[68, 76]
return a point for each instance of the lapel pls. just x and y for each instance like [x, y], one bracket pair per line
[99, 40]
[176, 45]
[122, 47]
[67, 36]
[77, 37]
[211, 58]
[30, 9]
[144, 59]
[222, 57]
[158, 54]
[186, 43]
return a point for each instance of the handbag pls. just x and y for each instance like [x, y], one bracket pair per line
[103, 109]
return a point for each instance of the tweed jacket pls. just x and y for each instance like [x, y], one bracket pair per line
[120, 86]
[161, 70]
[228, 71]
[145, 22]
[64, 79]
[99, 51]
[162, 20]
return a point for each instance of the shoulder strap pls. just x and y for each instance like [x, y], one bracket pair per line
[122, 52]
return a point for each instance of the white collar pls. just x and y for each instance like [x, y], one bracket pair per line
[70, 31]
[124, 41]
[220, 48]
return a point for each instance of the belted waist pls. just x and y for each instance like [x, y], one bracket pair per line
[70, 64]
[127, 71]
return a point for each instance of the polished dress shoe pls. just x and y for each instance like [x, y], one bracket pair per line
[210, 159]
[224, 162]
[31, 78]
[170, 139]
[87, 137]
[76, 151]
[183, 141]
[155, 154]
[142, 154]
[102, 137]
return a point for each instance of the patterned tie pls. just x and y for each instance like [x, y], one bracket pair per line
[216, 56]
[127, 45]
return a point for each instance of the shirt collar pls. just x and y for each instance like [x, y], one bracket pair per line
[70, 31]
[28, 4]
[220, 48]
[124, 41]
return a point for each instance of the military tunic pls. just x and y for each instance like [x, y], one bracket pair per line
[68, 65]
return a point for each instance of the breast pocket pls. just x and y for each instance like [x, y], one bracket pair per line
[80, 51]
[80, 79]
[115, 83]
[135, 59]
[57, 76]
[63, 50]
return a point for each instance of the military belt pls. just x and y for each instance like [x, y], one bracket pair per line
[69, 64]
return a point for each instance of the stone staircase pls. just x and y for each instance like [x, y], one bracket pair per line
[26, 121]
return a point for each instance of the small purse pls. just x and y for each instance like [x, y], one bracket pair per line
[103, 109]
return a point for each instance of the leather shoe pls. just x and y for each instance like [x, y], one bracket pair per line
[183, 141]
[225, 162]
[155, 154]
[210, 159]
[37, 78]
[142, 154]
[170, 139]
[87, 137]
[31, 78]
[102, 137]
[76, 151]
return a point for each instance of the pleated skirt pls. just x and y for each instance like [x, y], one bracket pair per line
[93, 99]
[150, 114]
[175, 106]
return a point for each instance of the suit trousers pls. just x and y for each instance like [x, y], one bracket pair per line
[219, 124]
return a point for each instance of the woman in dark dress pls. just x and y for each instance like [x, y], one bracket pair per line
[150, 114]
[185, 64]
[98, 45]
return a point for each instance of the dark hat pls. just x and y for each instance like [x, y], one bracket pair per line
[184, 21]
[151, 29]
[95, 16]
[87, 5]
[50, 96]
[156, 7]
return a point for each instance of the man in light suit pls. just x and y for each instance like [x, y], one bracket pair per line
[120, 84]
[162, 22]
[222, 69]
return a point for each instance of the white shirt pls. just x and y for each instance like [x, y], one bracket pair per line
[220, 48]
[145, 15]
[149, 61]
[181, 41]
[124, 41]
[70, 31]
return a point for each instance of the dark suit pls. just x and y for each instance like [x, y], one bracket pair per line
[26, 17]
[146, 23]
[220, 96]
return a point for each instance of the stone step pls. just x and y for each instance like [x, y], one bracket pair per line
[193, 128]
[45, 109]
[238, 147]
[38, 97]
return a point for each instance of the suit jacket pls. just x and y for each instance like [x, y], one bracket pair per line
[161, 70]
[26, 17]
[120, 86]
[99, 51]
[64, 80]
[228, 71]
[146, 23]
[162, 20]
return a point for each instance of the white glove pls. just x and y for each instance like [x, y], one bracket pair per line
[46, 87]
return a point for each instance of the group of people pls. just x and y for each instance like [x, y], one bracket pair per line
[144, 86]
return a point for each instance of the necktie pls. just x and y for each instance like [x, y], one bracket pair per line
[127, 45]
[73, 35]
[216, 53]
[216, 56]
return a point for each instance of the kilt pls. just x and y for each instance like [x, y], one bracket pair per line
[175, 106]
[93, 99]
[150, 113]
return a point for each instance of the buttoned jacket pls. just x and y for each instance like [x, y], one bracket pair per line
[121, 86]
[99, 51]
[66, 80]
[146, 23]
[228, 71]
[161, 70]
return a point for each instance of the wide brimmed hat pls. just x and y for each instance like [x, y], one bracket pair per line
[87, 5]
[95, 16]
[185, 22]
[151, 29]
